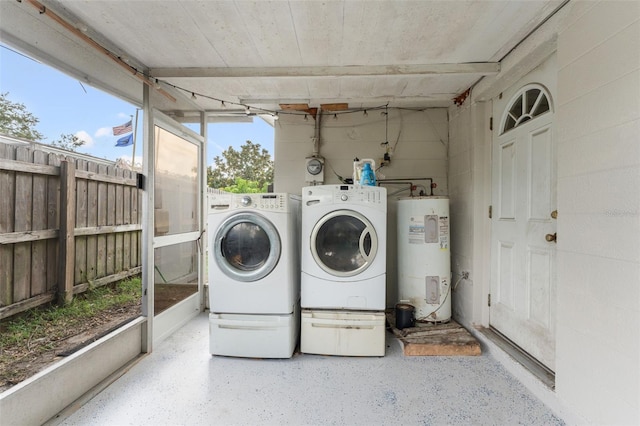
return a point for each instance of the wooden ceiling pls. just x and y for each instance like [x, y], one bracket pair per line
[275, 55]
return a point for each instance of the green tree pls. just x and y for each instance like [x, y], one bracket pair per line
[16, 121]
[251, 163]
[243, 186]
[69, 142]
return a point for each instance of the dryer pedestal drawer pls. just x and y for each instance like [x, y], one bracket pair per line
[253, 336]
[347, 333]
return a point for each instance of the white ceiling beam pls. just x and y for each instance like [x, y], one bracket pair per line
[479, 68]
[317, 101]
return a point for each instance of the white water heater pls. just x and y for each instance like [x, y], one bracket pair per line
[424, 257]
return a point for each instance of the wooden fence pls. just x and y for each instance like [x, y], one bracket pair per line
[66, 224]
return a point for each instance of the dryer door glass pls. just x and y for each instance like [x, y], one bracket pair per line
[247, 247]
[344, 243]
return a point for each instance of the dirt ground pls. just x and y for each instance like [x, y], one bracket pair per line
[35, 356]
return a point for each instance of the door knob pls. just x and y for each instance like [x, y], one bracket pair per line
[554, 214]
[552, 238]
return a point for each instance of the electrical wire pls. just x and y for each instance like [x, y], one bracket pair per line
[333, 170]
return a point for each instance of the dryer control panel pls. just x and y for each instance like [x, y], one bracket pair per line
[358, 194]
[342, 194]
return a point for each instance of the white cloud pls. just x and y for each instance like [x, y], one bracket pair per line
[84, 136]
[102, 132]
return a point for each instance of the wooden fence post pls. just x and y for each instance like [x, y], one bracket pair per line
[67, 251]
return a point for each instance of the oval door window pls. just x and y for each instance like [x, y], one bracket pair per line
[344, 243]
[247, 247]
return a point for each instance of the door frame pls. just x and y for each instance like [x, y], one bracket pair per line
[160, 326]
[543, 76]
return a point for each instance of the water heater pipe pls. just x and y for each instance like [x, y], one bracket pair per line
[409, 181]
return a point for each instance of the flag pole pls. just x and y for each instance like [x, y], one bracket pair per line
[135, 134]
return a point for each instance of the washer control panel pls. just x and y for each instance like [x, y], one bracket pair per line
[270, 202]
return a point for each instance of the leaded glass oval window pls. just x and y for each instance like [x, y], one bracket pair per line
[530, 102]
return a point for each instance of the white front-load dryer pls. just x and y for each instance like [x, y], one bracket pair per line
[254, 274]
[344, 231]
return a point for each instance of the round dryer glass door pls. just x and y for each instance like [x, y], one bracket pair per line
[247, 247]
[344, 243]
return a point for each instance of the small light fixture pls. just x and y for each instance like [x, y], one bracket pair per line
[157, 85]
[222, 104]
[335, 116]
[275, 116]
[366, 114]
[247, 110]
[306, 117]
[193, 96]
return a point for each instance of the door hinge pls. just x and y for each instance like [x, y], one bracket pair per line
[490, 123]
[490, 212]
[489, 299]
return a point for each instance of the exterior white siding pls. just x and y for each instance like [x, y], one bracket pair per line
[598, 128]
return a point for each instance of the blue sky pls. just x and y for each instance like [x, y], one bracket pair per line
[64, 105]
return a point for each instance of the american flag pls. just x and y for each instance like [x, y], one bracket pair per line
[125, 128]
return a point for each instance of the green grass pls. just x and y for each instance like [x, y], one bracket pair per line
[39, 323]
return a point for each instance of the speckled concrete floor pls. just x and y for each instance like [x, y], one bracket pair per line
[180, 383]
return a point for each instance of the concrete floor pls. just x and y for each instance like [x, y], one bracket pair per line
[180, 383]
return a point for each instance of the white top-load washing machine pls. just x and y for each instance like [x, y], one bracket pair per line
[254, 274]
[344, 232]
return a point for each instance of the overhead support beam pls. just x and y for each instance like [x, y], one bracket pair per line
[354, 100]
[479, 68]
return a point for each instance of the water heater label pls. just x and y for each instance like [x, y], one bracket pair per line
[416, 230]
[432, 287]
[444, 233]
[431, 228]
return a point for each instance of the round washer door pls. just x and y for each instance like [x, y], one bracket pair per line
[344, 243]
[247, 247]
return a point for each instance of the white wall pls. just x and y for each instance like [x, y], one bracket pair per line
[469, 183]
[420, 141]
[598, 129]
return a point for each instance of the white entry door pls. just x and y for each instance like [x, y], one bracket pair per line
[523, 273]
